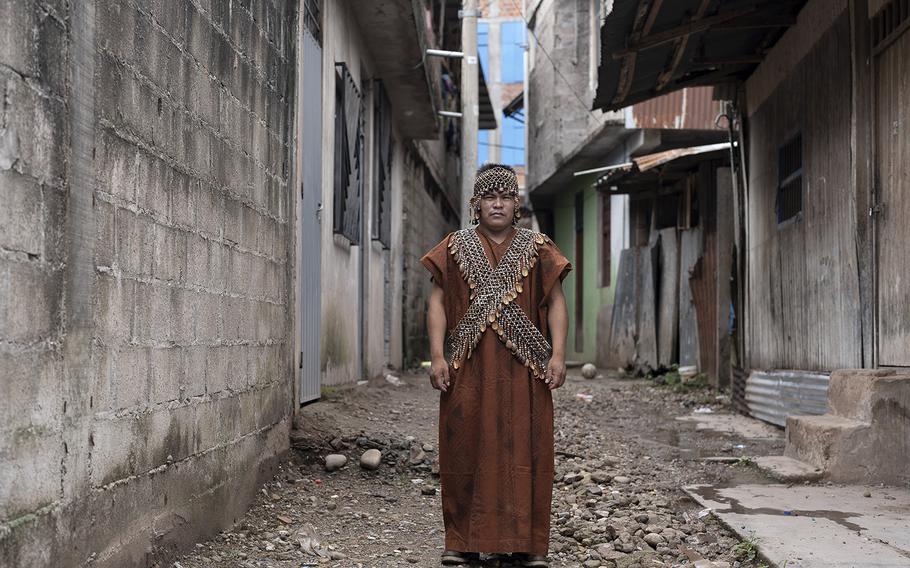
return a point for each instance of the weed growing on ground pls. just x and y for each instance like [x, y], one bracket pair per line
[744, 461]
[669, 377]
[328, 392]
[746, 550]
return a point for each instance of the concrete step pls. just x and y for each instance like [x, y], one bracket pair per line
[788, 470]
[822, 440]
[862, 394]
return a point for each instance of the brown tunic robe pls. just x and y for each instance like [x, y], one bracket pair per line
[496, 421]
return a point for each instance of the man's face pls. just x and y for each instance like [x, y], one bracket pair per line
[496, 210]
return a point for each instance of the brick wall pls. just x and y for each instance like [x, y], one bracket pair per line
[144, 272]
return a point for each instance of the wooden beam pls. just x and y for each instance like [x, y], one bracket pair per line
[680, 48]
[689, 28]
[756, 22]
[728, 61]
[644, 20]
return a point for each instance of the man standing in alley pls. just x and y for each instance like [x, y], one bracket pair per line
[498, 296]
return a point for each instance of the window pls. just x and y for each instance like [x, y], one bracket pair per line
[348, 180]
[790, 179]
[512, 42]
[311, 19]
[512, 136]
[579, 271]
[483, 46]
[382, 166]
[605, 258]
[483, 147]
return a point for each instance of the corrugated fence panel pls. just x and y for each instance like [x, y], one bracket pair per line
[773, 395]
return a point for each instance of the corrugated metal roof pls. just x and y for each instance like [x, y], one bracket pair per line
[645, 163]
[653, 47]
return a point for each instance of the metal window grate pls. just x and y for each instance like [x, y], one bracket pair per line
[348, 178]
[382, 166]
[790, 179]
[312, 12]
[890, 22]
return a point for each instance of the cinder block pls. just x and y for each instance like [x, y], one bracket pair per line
[116, 161]
[240, 274]
[32, 385]
[114, 309]
[169, 255]
[31, 474]
[209, 321]
[153, 179]
[18, 22]
[216, 369]
[195, 368]
[249, 219]
[39, 124]
[21, 220]
[209, 211]
[51, 49]
[167, 374]
[123, 378]
[116, 28]
[236, 317]
[182, 208]
[38, 318]
[104, 234]
[217, 422]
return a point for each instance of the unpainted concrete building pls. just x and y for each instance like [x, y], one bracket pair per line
[145, 300]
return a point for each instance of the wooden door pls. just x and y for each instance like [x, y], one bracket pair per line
[892, 100]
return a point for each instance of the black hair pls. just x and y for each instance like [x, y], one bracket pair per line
[491, 165]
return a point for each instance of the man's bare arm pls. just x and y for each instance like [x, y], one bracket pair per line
[436, 329]
[558, 323]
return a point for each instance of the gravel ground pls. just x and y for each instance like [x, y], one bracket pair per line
[622, 459]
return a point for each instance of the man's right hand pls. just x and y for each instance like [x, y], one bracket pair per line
[439, 374]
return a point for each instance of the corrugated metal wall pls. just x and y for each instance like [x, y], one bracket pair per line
[310, 299]
[803, 285]
[688, 108]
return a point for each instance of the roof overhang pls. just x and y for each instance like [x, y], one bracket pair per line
[612, 145]
[651, 172]
[653, 47]
[395, 33]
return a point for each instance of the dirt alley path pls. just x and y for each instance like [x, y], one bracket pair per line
[622, 458]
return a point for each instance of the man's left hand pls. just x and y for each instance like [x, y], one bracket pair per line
[556, 373]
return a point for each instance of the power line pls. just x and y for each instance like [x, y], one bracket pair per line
[553, 63]
[500, 146]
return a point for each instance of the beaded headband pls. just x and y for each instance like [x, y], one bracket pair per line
[491, 180]
[496, 178]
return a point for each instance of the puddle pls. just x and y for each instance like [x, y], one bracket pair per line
[734, 506]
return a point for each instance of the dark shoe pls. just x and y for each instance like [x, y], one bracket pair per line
[535, 561]
[455, 558]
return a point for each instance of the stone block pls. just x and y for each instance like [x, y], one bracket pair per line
[22, 219]
[31, 474]
[855, 393]
[34, 320]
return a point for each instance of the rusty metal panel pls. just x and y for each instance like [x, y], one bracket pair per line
[668, 302]
[892, 99]
[647, 310]
[690, 252]
[772, 396]
[691, 108]
[624, 324]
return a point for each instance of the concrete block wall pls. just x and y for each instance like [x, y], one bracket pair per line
[145, 307]
[424, 224]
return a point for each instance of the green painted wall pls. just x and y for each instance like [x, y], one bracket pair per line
[594, 296]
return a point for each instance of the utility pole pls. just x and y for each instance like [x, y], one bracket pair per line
[470, 110]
